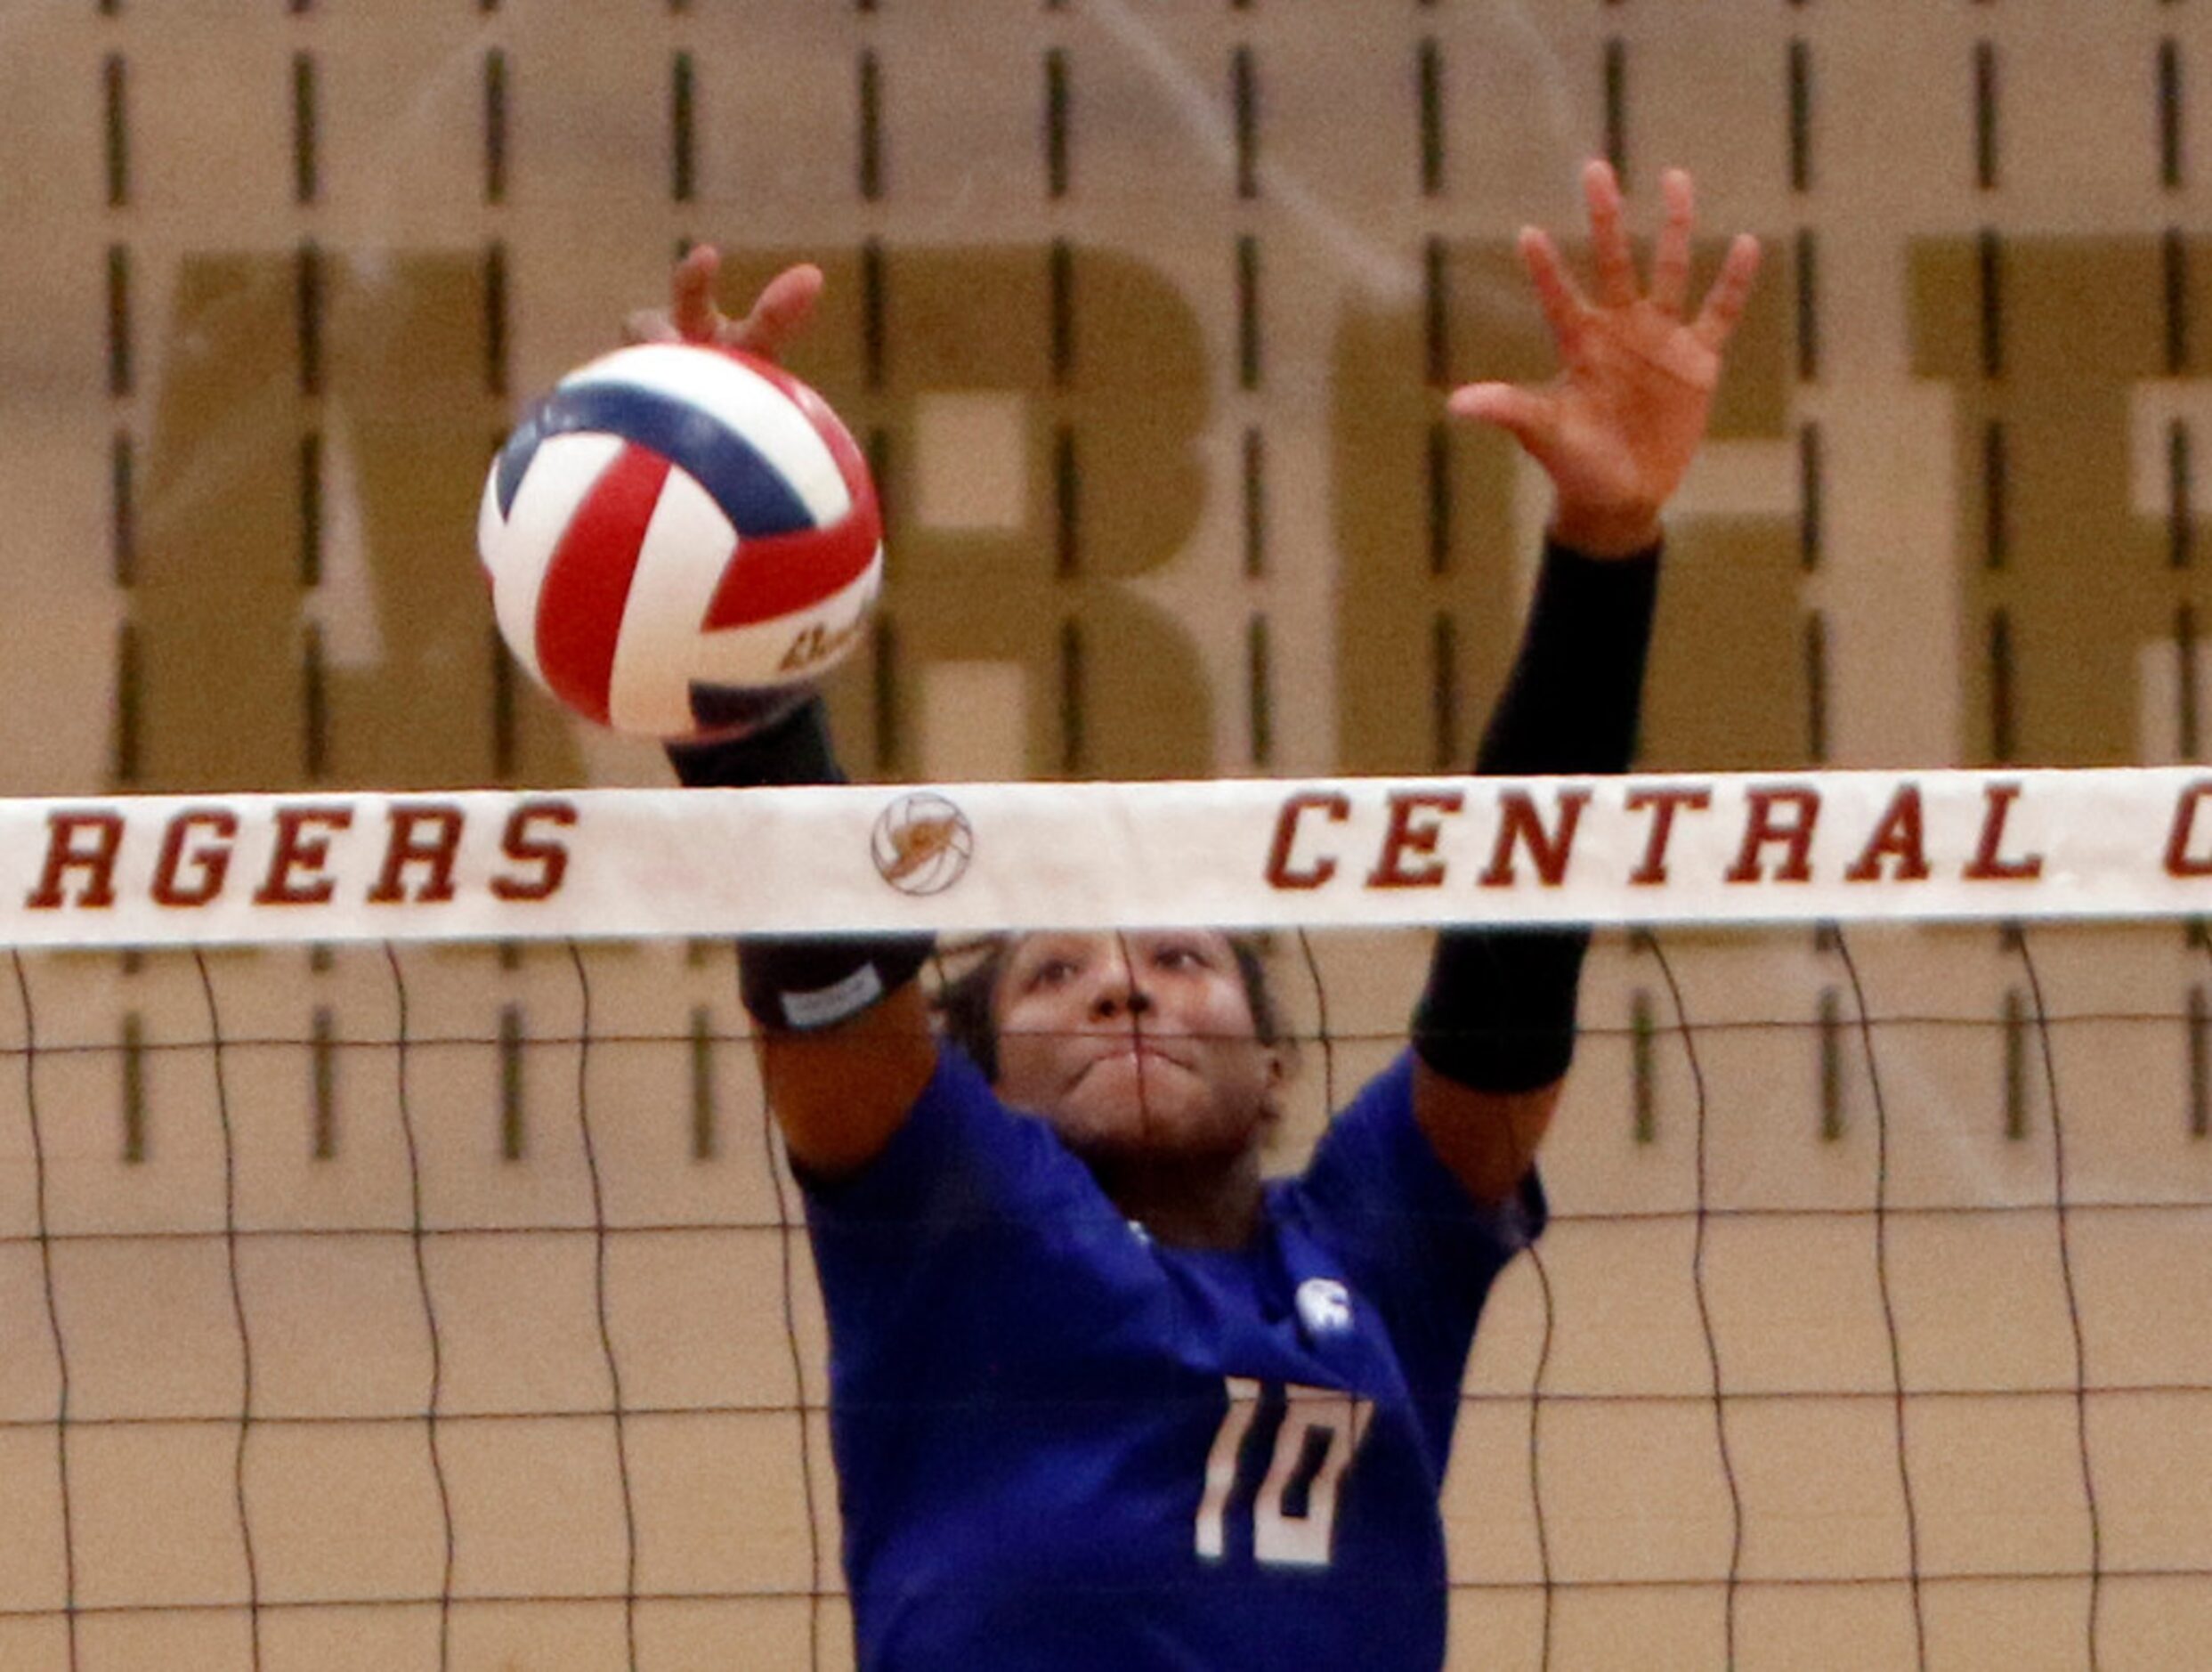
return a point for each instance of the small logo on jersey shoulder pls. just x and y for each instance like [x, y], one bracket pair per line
[922, 843]
[1325, 1307]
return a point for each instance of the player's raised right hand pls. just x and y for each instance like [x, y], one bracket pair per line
[782, 310]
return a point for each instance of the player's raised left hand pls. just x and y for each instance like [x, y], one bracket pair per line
[784, 309]
[1618, 426]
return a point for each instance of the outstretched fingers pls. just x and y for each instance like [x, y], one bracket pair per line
[780, 314]
[784, 309]
[1609, 253]
[1530, 416]
[1724, 303]
[1670, 264]
[691, 296]
[1562, 303]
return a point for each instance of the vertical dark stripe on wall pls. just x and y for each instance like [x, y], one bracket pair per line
[133, 1052]
[120, 368]
[1248, 312]
[1985, 116]
[2016, 1025]
[2174, 259]
[514, 1129]
[683, 180]
[314, 705]
[1811, 504]
[306, 171]
[1831, 1067]
[1072, 743]
[323, 1085]
[878, 447]
[115, 83]
[703, 1144]
[123, 764]
[1800, 115]
[1817, 687]
[496, 370]
[2199, 1064]
[1807, 288]
[1439, 498]
[2169, 115]
[311, 507]
[1642, 1066]
[1055, 115]
[495, 126]
[308, 295]
[872, 310]
[1989, 279]
[884, 695]
[1430, 71]
[2000, 687]
[2181, 515]
[871, 128]
[1060, 301]
[123, 508]
[1255, 503]
[2185, 687]
[1436, 312]
[1244, 97]
[1617, 105]
[1995, 492]
[1067, 487]
[1258, 692]
[1443, 691]
[124, 722]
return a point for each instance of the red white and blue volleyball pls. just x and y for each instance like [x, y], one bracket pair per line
[679, 538]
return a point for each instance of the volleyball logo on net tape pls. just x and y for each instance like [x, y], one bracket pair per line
[922, 843]
[680, 540]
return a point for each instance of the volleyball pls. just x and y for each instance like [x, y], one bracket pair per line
[680, 540]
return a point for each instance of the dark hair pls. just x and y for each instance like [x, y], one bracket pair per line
[964, 1002]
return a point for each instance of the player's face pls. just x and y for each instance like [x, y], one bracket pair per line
[1134, 1044]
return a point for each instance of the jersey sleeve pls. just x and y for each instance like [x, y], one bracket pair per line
[954, 1246]
[1411, 1236]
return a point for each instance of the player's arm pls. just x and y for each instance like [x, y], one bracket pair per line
[1494, 1028]
[846, 1044]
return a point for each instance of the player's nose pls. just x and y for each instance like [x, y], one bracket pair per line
[1118, 990]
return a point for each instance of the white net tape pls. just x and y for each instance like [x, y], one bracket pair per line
[1827, 846]
[435, 1305]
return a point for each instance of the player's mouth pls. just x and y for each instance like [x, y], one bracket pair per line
[1143, 1053]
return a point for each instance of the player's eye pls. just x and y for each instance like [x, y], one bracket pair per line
[1179, 954]
[1049, 972]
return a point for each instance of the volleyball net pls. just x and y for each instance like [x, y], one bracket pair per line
[399, 1270]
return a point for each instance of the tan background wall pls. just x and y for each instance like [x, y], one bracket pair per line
[1849, 1350]
[1151, 380]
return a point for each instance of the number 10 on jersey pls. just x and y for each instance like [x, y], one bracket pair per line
[1293, 1513]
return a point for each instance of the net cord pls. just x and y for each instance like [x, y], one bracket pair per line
[420, 1247]
[1882, 1214]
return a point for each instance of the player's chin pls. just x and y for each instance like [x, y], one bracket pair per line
[1115, 1110]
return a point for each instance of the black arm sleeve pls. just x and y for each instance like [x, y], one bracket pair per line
[811, 981]
[1498, 1012]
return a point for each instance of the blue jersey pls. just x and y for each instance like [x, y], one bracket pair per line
[1061, 1445]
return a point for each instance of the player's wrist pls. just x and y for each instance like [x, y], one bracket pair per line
[1573, 701]
[1606, 532]
[793, 748]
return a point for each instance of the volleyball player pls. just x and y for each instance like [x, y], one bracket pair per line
[1102, 1395]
